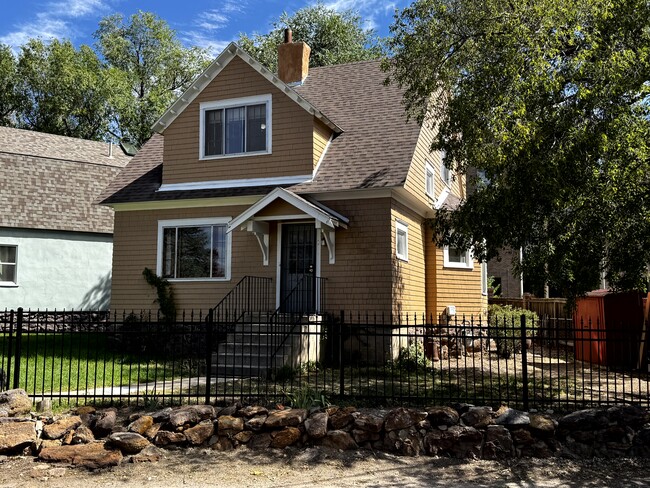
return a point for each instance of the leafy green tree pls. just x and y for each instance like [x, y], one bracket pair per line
[551, 101]
[65, 91]
[152, 68]
[334, 37]
[10, 99]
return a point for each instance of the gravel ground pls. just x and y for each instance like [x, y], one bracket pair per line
[319, 467]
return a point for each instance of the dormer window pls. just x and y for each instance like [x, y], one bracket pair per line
[236, 127]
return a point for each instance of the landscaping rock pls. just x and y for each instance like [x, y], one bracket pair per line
[285, 437]
[498, 443]
[256, 423]
[260, 441]
[543, 425]
[15, 402]
[285, 418]
[61, 427]
[192, 414]
[200, 433]
[443, 416]
[104, 423]
[341, 417]
[165, 438]
[339, 439]
[479, 417]
[152, 431]
[91, 456]
[369, 423]
[85, 410]
[513, 418]
[404, 441]
[15, 436]
[82, 435]
[628, 415]
[141, 425]
[228, 425]
[591, 419]
[150, 454]
[222, 443]
[243, 436]
[403, 418]
[128, 442]
[252, 411]
[361, 436]
[162, 416]
[316, 425]
[457, 441]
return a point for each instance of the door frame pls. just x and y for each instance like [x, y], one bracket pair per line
[278, 271]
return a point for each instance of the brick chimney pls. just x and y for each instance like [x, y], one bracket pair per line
[293, 60]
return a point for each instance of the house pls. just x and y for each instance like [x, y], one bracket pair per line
[310, 176]
[55, 244]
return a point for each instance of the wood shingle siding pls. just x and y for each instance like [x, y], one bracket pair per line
[292, 150]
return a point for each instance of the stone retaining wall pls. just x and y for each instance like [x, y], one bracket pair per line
[98, 438]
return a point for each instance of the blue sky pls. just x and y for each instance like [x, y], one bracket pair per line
[205, 23]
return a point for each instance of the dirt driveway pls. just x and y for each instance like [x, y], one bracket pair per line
[320, 467]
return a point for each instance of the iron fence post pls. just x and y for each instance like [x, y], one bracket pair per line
[19, 334]
[340, 348]
[524, 362]
[10, 350]
[208, 354]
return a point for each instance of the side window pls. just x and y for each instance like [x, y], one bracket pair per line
[8, 265]
[401, 240]
[457, 258]
[429, 180]
[445, 172]
[484, 278]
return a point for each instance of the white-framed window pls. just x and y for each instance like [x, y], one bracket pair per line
[194, 249]
[8, 265]
[236, 127]
[401, 240]
[484, 278]
[445, 172]
[429, 180]
[457, 258]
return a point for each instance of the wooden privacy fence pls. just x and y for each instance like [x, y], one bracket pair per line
[543, 307]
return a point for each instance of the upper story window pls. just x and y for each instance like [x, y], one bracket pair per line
[429, 181]
[194, 249]
[236, 127]
[8, 262]
[457, 258]
[445, 172]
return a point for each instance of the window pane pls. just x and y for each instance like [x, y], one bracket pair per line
[193, 252]
[8, 254]
[429, 182]
[457, 256]
[169, 253]
[401, 243]
[235, 130]
[256, 128]
[213, 132]
[8, 272]
[219, 251]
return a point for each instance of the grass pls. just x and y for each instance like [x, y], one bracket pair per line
[59, 363]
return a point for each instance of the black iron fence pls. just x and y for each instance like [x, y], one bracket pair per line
[374, 359]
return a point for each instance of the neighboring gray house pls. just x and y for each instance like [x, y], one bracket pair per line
[56, 245]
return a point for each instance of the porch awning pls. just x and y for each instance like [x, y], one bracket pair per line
[327, 220]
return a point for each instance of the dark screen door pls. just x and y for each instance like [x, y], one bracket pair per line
[297, 268]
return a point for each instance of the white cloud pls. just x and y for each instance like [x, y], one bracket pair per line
[212, 20]
[204, 41]
[76, 8]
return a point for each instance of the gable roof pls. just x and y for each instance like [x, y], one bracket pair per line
[374, 151]
[212, 71]
[51, 182]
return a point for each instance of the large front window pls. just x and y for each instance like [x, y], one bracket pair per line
[236, 127]
[194, 249]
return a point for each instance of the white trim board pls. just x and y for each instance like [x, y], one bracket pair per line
[238, 183]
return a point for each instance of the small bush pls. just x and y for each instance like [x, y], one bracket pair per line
[306, 398]
[412, 358]
[505, 327]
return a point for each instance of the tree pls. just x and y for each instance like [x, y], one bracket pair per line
[551, 101]
[61, 90]
[152, 67]
[334, 37]
[10, 99]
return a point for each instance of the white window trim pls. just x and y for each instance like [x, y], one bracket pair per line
[451, 264]
[11, 284]
[193, 223]
[230, 103]
[429, 169]
[402, 227]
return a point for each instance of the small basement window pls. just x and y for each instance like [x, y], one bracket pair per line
[8, 264]
[401, 240]
[236, 127]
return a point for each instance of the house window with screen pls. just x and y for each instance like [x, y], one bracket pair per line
[457, 258]
[8, 255]
[445, 172]
[429, 182]
[194, 249]
[401, 241]
[236, 127]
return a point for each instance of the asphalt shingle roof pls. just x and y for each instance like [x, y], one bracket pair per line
[51, 182]
[374, 151]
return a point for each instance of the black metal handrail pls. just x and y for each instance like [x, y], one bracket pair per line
[252, 294]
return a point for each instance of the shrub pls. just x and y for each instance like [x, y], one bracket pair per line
[412, 358]
[505, 327]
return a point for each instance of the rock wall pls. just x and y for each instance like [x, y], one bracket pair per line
[99, 438]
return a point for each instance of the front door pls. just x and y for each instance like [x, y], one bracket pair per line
[298, 268]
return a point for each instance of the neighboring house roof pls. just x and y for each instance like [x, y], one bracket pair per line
[51, 182]
[375, 149]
